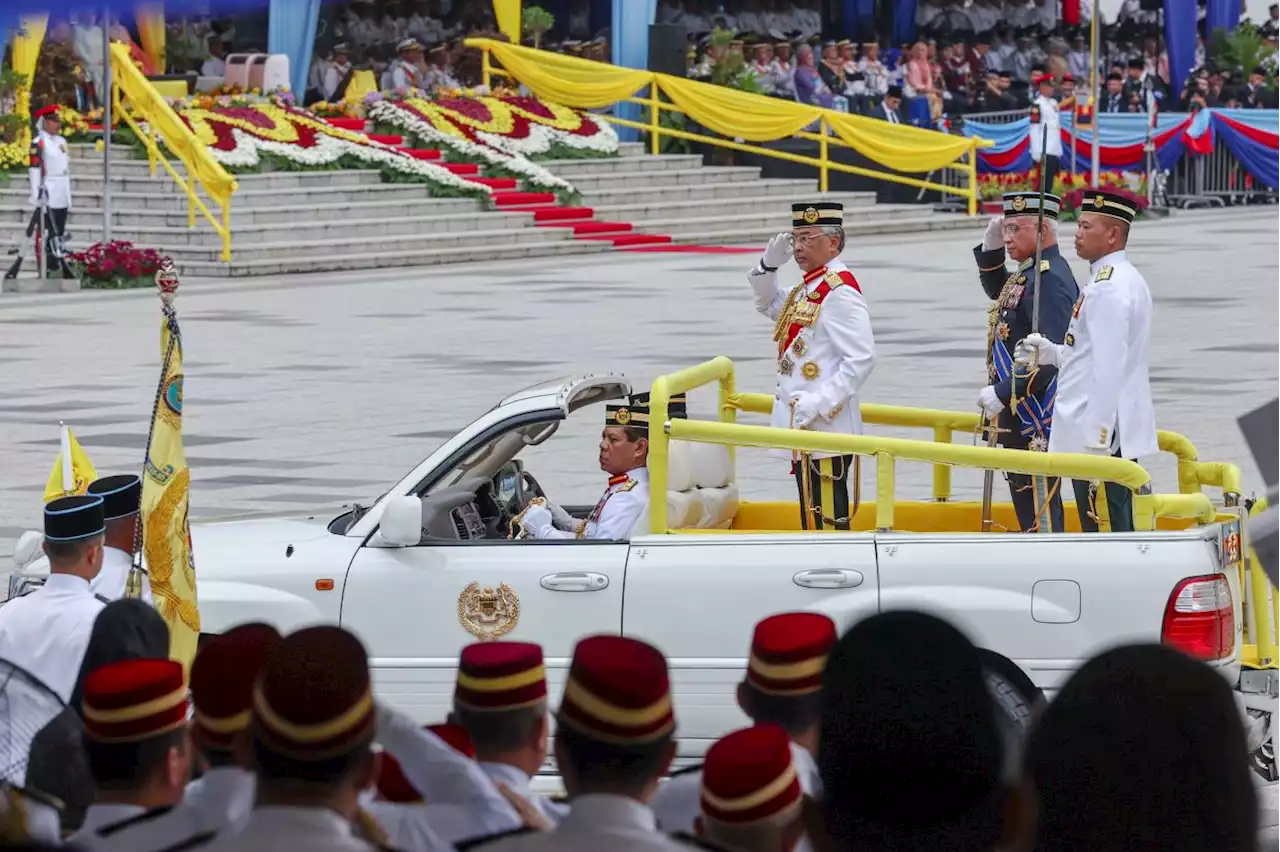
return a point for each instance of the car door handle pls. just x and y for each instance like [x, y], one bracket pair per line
[575, 581]
[828, 578]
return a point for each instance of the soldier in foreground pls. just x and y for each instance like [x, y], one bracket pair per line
[1104, 402]
[751, 798]
[826, 352]
[1021, 401]
[782, 689]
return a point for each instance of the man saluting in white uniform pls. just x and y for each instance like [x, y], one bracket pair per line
[624, 454]
[1104, 395]
[825, 349]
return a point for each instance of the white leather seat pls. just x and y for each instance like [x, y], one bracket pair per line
[685, 507]
[712, 468]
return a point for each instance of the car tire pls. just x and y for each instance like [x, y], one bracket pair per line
[1015, 695]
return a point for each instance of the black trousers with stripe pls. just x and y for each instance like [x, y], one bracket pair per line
[828, 496]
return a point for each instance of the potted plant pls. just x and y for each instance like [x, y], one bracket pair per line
[535, 21]
[117, 265]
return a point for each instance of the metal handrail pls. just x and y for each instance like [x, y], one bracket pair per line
[1188, 503]
[824, 137]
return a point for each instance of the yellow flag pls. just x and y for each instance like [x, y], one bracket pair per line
[82, 470]
[166, 541]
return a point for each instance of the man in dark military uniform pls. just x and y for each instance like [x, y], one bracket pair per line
[1022, 401]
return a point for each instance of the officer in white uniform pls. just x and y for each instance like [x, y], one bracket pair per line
[1104, 402]
[121, 501]
[1044, 115]
[782, 687]
[46, 630]
[406, 72]
[624, 452]
[826, 352]
[50, 172]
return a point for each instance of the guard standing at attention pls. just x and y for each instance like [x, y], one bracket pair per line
[50, 174]
[822, 329]
[1104, 402]
[46, 631]
[1022, 401]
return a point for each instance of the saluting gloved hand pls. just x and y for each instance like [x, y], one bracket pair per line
[1037, 349]
[778, 251]
[990, 402]
[537, 519]
[805, 406]
[994, 237]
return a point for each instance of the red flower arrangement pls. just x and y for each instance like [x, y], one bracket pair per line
[116, 265]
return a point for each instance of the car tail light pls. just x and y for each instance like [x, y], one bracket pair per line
[1198, 619]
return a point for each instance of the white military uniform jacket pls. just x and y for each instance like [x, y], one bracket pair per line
[112, 579]
[1103, 384]
[1049, 118]
[223, 797]
[678, 802]
[46, 631]
[625, 500]
[273, 828]
[57, 172]
[596, 823]
[825, 346]
[130, 828]
[419, 827]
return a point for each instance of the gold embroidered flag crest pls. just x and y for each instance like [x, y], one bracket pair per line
[166, 533]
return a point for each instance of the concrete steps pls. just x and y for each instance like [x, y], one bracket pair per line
[755, 222]
[456, 209]
[660, 208]
[783, 190]
[872, 227]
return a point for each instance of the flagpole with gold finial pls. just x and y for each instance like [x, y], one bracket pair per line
[68, 472]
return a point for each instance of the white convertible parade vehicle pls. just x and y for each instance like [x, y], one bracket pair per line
[429, 566]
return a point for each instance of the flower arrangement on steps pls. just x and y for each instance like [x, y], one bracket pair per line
[117, 265]
[1070, 188]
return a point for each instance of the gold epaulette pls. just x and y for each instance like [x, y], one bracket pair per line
[834, 279]
[1044, 266]
[1104, 274]
[631, 483]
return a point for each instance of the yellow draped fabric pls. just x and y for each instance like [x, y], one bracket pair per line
[166, 481]
[508, 15]
[736, 114]
[26, 50]
[360, 84]
[150, 17]
[567, 80]
[585, 84]
[178, 138]
[898, 146]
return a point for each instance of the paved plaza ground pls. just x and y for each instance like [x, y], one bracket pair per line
[307, 392]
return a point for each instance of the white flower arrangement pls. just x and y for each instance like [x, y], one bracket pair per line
[535, 176]
[542, 138]
[329, 149]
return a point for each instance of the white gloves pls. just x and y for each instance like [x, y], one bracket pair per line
[991, 404]
[560, 517]
[1038, 349]
[778, 251]
[1098, 449]
[805, 405]
[994, 237]
[536, 519]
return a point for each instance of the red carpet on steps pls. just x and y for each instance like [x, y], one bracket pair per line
[688, 249]
[422, 153]
[466, 168]
[496, 182]
[588, 227]
[386, 139]
[555, 214]
[508, 197]
[620, 240]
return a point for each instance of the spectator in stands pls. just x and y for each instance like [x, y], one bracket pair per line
[976, 56]
[761, 65]
[216, 64]
[919, 76]
[782, 71]
[751, 19]
[337, 72]
[1078, 58]
[956, 77]
[1067, 92]
[1113, 99]
[874, 73]
[1143, 749]
[1258, 96]
[695, 23]
[1022, 60]
[810, 89]
[832, 68]
[890, 108]
[1270, 29]
[362, 27]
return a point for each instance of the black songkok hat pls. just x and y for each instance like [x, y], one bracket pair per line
[121, 495]
[1028, 204]
[73, 518]
[1108, 204]
[818, 213]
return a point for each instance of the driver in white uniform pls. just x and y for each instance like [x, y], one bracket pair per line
[624, 452]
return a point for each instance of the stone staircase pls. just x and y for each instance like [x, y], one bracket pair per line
[288, 222]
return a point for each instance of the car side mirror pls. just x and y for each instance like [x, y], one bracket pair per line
[402, 521]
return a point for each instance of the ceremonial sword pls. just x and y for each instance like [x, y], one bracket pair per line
[1038, 483]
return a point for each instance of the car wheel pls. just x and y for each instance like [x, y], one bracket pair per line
[1014, 703]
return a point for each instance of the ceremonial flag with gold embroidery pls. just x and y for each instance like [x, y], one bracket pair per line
[166, 533]
[72, 471]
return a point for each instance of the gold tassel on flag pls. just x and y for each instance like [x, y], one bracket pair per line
[72, 472]
[165, 531]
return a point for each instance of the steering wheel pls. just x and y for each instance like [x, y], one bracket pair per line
[527, 488]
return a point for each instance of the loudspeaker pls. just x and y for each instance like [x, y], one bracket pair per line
[667, 49]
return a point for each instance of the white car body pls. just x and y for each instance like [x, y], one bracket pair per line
[1040, 605]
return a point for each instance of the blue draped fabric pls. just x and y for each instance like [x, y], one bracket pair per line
[630, 33]
[1222, 14]
[1253, 137]
[1180, 40]
[291, 30]
[853, 12]
[904, 22]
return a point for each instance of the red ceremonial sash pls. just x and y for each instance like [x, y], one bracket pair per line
[816, 297]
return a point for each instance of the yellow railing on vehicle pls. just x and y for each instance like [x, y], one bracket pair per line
[739, 117]
[1190, 502]
[132, 92]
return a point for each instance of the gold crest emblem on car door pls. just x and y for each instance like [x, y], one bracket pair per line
[488, 613]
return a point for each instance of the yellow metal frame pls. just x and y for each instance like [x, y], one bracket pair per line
[131, 91]
[823, 163]
[940, 452]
